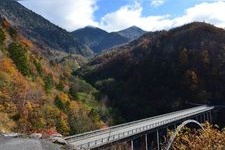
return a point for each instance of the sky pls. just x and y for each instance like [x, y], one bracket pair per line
[115, 15]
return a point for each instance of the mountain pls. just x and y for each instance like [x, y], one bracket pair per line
[160, 71]
[132, 33]
[99, 40]
[34, 27]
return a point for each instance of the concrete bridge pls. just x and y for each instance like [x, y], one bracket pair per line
[99, 139]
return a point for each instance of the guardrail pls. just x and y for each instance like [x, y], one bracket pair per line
[124, 134]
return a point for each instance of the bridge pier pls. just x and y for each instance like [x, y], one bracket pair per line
[205, 117]
[146, 141]
[131, 145]
[158, 142]
[210, 116]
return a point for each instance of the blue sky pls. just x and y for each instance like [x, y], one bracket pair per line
[114, 15]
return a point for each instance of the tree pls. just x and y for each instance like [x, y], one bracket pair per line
[183, 56]
[2, 36]
[59, 103]
[19, 55]
[49, 83]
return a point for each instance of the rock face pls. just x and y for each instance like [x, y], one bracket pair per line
[36, 135]
[58, 140]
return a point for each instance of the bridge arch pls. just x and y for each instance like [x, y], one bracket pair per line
[179, 129]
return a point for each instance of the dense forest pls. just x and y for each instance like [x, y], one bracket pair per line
[161, 71]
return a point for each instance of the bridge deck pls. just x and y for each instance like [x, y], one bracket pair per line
[105, 136]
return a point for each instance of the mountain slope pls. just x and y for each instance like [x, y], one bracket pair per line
[160, 71]
[38, 95]
[98, 39]
[47, 35]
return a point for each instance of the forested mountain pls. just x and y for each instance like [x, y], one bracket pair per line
[42, 32]
[158, 72]
[38, 95]
[98, 39]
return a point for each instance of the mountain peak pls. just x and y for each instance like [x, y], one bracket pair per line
[134, 27]
[132, 32]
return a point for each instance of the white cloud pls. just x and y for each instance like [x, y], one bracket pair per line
[129, 15]
[74, 14]
[157, 3]
[69, 14]
[211, 12]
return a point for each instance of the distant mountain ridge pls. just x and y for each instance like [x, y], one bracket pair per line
[36, 28]
[98, 39]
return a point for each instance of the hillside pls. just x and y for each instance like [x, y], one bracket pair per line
[158, 72]
[38, 95]
[99, 40]
[43, 33]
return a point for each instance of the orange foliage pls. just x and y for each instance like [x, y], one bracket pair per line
[8, 66]
[210, 138]
[25, 42]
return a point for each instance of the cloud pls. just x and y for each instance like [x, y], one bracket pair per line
[74, 14]
[208, 12]
[69, 14]
[157, 3]
[128, 15]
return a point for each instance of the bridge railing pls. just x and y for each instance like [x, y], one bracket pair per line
[122, 135]
[118, 127]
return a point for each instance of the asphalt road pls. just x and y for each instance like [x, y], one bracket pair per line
[26, 144]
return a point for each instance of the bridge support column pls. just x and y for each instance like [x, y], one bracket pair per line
[158, 142]
[207, 116]
[146, 141]
[210, 117]
[203, 118]
[131, 145]
[175, 127]
[200, 118]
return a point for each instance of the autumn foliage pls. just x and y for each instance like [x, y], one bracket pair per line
[34, 93]
[211, 138]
